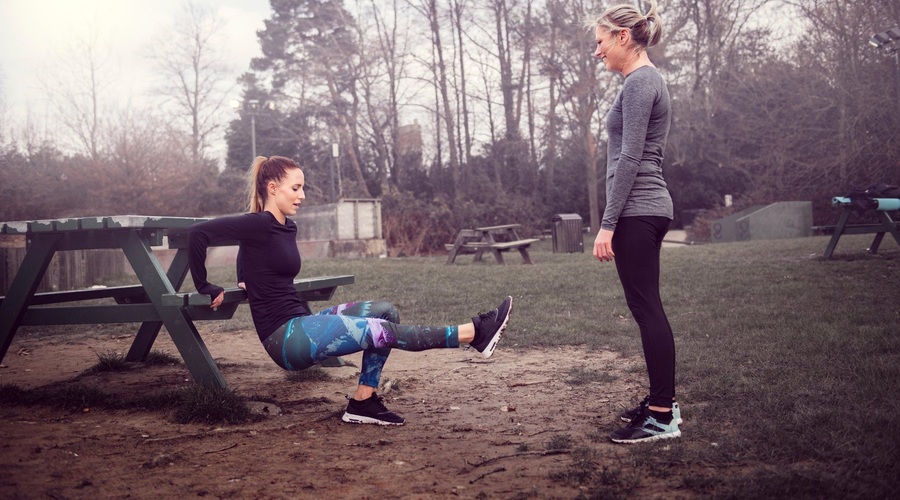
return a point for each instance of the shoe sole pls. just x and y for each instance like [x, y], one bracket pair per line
[489, 350]
[359, 419]
[657, 437]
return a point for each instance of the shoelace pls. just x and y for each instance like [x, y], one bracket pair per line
[488, 316]
[639, 420]
[378, 405]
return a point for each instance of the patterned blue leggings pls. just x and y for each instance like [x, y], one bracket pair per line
[370, 327]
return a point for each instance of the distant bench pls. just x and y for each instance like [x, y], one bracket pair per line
[885, 224]
[485, 239]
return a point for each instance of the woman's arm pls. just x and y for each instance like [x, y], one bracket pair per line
[638, 96]
[245, 227]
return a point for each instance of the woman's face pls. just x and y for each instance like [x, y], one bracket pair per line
[610, 48]
[289, 193]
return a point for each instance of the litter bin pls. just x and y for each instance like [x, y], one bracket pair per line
[567, 233]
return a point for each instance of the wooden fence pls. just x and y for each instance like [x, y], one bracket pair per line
[69, 270]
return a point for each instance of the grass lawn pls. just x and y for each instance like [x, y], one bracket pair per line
[788, 365]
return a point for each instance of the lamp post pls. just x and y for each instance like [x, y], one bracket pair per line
[334, 157]
[253, 109]
[889, 41]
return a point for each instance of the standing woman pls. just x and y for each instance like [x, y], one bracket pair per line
[293, 336]
[638, 206]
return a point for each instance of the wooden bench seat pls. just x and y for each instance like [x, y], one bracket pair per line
[470, 247]
[308, 289]
[508, 245]
[130, 294]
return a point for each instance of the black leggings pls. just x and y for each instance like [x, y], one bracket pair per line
[636, 244]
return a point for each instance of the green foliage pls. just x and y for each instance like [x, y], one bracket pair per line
[110, 362]
[12, 394]
[194, 404]
[413, 226]
[558, 442]
[159, 358]
[208, 405]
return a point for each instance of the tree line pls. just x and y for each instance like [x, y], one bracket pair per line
[466, 112]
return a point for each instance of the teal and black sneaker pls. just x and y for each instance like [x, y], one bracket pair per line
[645, 429]
[638, 411]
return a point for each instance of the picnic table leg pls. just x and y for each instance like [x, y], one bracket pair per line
[149, 330]
[498, 255]
[489, 239]
[524, 252]
[457, 245]
[179, 325]
[838, 230]
[876, 242]
[889, 226]
[28, 278]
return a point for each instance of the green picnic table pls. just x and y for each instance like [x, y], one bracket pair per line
[885, 224]
[494, 239]
[154, 302]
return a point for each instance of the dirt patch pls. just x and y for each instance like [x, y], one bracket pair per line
[475, 428]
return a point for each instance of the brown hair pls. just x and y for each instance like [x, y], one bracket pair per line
[646, 29]
[263, 171]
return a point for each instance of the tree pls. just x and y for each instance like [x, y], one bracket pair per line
[429, 10]
[4, 111]
[581, 90]
[311, 58]
[458, 9]
[78, 89]
[189, 61]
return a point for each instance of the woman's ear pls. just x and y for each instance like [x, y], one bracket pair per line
[624, 35]
[271, 187]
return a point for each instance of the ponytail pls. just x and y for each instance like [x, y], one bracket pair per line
[257, 199]
[262, 171]
[654, 25]
[646, 30]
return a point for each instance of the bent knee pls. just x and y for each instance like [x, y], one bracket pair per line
[385, 310]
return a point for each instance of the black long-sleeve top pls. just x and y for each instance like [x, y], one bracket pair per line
[268, 262]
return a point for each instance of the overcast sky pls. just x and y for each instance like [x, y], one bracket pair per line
[34, 32]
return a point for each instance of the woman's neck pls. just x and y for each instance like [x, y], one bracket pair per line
[640, 61]
[275, 213]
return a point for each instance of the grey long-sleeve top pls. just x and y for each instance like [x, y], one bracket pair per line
[638, 125]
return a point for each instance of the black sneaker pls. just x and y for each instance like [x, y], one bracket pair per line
[644, 429]
[370, 411]
[489, 326]
[638, 411]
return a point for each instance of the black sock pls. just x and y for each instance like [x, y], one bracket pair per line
[663, 417]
